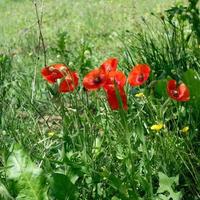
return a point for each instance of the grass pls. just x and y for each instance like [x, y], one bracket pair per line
[67, 16]
[73, 146]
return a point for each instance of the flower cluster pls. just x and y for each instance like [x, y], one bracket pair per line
[111, 80]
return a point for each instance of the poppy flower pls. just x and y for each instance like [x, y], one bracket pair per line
[113, 99]
[139, 74]
[94, 79]
[109, 65]
[53, 72]
[178, 92]
[116, 77]
[69, 83]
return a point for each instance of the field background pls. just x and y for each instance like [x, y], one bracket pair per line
[76, 136]
[97, 20]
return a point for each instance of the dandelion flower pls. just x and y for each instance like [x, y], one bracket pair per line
[157, 127]
[140, 95]
[185, 129]
[51, 134]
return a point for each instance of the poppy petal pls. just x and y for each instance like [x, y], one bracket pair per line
[113, 99]
[116, 77]
[171, 87]
[139, 75]
[53, 72]
[109, 65]
[69, 83]
[94, 79]
[59, 66]
[184, 93]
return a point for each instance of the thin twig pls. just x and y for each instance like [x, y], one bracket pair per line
[39, 22]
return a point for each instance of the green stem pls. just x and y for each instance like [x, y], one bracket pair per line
[128, 143]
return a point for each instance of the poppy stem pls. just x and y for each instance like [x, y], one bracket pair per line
[127, 136]
[65, 136]
[162, 110]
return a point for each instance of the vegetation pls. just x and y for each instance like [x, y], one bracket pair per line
[65, 139]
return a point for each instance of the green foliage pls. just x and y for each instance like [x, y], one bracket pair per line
[4, 194]
[73, 146]
[160, 88]
[28, 178]
[171, 47]
[62, 188]
[5, 79]
[166, 186]
[63, 47]
[5, 63]
[192, 79]
[117, 184]
[188, 13]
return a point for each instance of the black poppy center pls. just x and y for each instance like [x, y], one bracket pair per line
[175, 93]
[97, 80]
[141, 78]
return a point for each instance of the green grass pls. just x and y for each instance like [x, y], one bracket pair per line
[98, 19]
[73, 146]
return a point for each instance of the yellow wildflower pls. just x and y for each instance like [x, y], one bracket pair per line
[185, 129]
[51, 134]
[141, 94]
[157, 127]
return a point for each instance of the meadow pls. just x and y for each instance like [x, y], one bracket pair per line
[99, 99]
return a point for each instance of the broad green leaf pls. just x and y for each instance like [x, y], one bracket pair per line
[163, 197]
[115, 198]
[192, 79]
[116, 183]
[62, 188]
[4, 194]
[19, 164]
[160, 88]
[27, 176]
[165, 185]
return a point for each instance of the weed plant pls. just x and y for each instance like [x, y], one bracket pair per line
[73, 146]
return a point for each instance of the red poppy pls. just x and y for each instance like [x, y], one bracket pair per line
[53, 72]
[109, 65]
[69, 83]
[116, 77]
[113, 99]
[94, 79]
[139, 74]
[178, 92]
